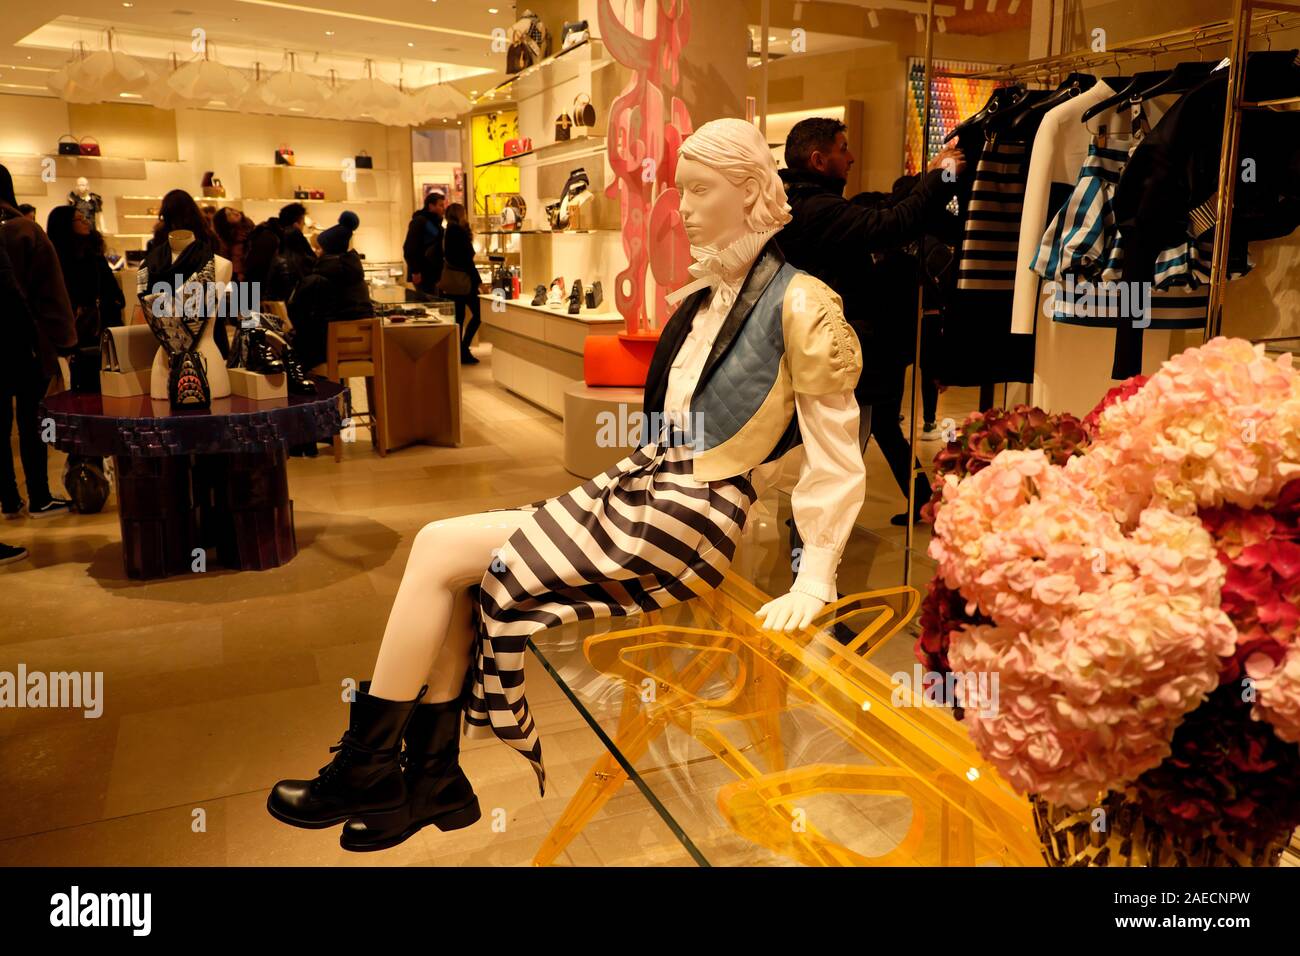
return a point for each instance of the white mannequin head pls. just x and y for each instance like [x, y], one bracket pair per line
[729, 185]
[83, 186]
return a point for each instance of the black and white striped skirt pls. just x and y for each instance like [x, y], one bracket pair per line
[641, 536]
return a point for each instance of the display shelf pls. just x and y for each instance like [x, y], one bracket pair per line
[310, 169]
[540, 232]
[307, 202]
[601, 316]
[555, 152]
[548, 73]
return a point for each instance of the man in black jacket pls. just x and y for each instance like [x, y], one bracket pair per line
[422, 248]
[834, 239]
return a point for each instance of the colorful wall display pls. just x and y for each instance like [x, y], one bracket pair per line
[952, 99]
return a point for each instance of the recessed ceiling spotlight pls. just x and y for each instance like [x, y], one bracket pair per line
[329, 33]
[492, 9]
[127, 4]
[410, 44]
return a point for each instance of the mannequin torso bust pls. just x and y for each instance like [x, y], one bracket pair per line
[218, 378]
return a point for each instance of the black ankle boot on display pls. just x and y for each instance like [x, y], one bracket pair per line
[261, 358]
[365, 775]
[575, 298]
[300, 383]
[539, 297]
[438, 791]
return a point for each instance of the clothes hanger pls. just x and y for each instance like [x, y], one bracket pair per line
[1004, 97]
[1139, 81]
[1181, 78]
[1070, 87]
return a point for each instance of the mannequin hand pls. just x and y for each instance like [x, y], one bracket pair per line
[792, 611]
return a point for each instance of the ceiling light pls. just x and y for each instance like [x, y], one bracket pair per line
[410, 44]
[492, 9]
[329, 33]
[920, 23]
[127, 5]
[874, 19]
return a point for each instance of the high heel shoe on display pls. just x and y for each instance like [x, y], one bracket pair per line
[539, 296]
[575, 298]
[261, 357]
[438, 792]
[365, 775]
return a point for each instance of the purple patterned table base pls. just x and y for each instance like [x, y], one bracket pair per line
[189, 481]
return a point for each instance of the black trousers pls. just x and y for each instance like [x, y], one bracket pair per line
[24, 388]
[475, 316]
[888, 433]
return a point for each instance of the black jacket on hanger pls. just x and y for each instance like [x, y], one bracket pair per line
[832, 238]
[1170, 186]
[1169, 189]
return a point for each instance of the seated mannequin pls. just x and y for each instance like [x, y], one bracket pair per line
[756, 358]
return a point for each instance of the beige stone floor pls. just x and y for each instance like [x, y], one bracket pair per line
[218, 684]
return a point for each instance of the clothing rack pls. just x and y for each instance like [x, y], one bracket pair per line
[1250, 19]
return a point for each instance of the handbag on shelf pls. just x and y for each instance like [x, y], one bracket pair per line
[316, 194]
[212, 187]
[301, 194]
[363, 160]
[584, 114]
[284, 155]
[68, 145]
[574, 34]
[595, 295]
[530, 42]
[90, 148]
[517, 146]
[563, 127]
[454, 281]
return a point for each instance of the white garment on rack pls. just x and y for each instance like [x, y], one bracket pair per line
[1072, 364]
[832, 477]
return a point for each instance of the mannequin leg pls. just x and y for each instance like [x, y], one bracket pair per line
[428, 624]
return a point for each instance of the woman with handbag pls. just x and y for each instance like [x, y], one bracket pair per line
[460, 280]
[97, 299]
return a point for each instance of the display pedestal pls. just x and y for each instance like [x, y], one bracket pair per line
[257, 386]
[124, 384]
[601, 427]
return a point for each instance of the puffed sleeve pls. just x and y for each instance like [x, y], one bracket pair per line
[822, 350]
[830, 490]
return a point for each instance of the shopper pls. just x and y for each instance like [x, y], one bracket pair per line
[28, 210]
[423, 248]
[834, 239]
[233, 231]
[459, 255]
[265, 267]
[298, 254]
[38, 325]
[93, 290]
[336, 291]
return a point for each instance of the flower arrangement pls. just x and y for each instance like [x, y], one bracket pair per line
[1134, 580]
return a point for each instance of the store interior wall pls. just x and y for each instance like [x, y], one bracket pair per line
[217, 140]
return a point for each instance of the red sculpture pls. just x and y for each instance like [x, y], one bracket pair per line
[642, 146]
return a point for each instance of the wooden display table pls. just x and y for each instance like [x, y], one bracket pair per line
[421, 382]
[190, 480]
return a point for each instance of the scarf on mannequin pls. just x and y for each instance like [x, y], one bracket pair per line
[163, 269]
